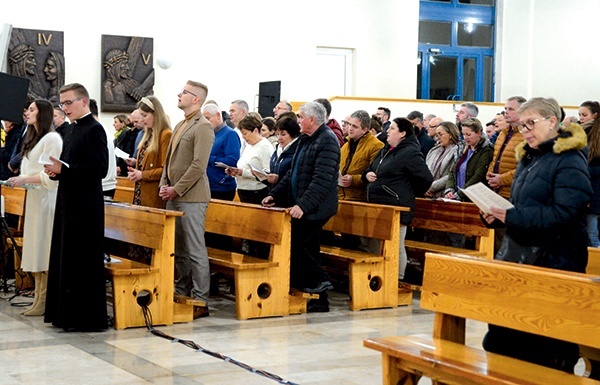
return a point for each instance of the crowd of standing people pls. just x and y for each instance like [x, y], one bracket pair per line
[546, 164]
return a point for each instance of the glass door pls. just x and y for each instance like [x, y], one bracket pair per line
[449, 76]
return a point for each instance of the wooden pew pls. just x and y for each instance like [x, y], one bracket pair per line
[553, 303]
[135, 281]
[454, 217]
[593, 266]
[124, 190]
[262, 287]
[373, 278]
[14, 203]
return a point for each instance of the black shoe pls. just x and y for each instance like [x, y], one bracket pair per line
[323, 286]
[317, 308]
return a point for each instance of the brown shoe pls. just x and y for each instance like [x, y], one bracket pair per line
[200, 311]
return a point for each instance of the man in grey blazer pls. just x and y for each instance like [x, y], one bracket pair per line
[184, 185]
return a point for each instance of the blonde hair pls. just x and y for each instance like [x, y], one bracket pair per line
[151, 104]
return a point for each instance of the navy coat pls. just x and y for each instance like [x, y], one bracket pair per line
[551, 191]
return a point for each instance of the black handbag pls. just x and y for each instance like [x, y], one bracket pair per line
[511, 251]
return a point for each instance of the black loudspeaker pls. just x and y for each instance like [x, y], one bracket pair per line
[13, 93]
[268, 97]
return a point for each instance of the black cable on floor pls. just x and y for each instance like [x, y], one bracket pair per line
[195, 346]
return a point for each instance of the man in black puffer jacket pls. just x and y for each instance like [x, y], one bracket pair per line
[310, 188]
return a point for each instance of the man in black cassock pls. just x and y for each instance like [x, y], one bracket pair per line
[76, 298]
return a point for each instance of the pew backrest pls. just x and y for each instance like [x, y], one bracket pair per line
[548, 302]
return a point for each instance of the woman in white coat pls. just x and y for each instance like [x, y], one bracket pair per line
[41, 141]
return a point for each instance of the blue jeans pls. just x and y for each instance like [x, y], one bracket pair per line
[592, 230]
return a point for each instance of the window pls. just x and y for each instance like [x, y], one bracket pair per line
[456, 50]
[475, 35]
[435, 32]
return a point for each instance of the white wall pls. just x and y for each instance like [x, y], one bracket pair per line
[232, 45]
[548, 48]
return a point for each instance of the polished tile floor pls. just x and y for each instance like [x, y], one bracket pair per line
[321, 348]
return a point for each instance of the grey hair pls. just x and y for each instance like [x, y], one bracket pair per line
[212, 109]
[472, 109]
[316, 110]
[242, 104]
[364, 117]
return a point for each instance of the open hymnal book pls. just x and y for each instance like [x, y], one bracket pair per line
[121, 154]
[258, 172]
[484, 198]
[45, 160]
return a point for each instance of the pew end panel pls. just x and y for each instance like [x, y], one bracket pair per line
[262, 287]
[372, 278]
[134, 281]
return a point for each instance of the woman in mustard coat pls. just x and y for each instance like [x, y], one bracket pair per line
[152, 153]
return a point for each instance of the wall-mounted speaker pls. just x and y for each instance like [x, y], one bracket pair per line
[13, 93]
[268, 97]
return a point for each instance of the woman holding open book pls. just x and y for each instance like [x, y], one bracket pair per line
[255, 158]
[472, 164]
[288, 131]
[547, 225]
[252, 169]
[146, 170]
[41, 141]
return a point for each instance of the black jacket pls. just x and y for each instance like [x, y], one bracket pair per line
[311, 182]
[12, 139]
[126, 142]
[402, 174]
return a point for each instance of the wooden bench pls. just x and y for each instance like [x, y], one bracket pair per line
[262, 286]
[454, 217]
[548, 302]
[372, 278]
[124, 190]
[136, 281]
[593, 266]
[14, 203]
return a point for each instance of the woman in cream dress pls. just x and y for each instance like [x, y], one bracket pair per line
[40, 139]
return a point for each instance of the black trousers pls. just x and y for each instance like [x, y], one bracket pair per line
[532, 348]
[224, 195]
[218, 241]
[305, 269]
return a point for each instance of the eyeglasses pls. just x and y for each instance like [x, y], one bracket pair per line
[67, 103]
[184, 91]
[347, 123]
[530, 124]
